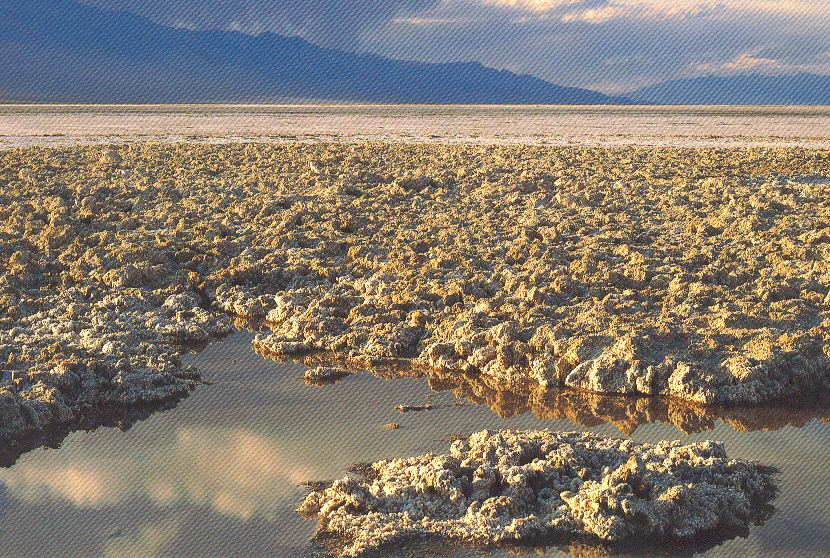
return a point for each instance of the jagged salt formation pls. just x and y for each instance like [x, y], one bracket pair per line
[527, 266]
[697, 273]
[506, 486]
[92, 349]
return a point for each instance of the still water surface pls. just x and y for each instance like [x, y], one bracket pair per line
[220, 474]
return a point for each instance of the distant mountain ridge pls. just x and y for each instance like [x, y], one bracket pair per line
[64, 52]
[744, 89]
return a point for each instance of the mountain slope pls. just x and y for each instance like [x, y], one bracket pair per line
[745, 89]
[62, 51]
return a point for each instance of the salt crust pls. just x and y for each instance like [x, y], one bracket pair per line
[501, 486]
[324, 374]
[696, 273]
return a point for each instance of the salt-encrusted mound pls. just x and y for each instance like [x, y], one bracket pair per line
[515, 485]
[324, 374]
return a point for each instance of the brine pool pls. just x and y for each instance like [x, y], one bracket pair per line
[222, 473]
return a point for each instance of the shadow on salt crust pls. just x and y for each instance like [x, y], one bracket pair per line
[431, 546]
[510, 487]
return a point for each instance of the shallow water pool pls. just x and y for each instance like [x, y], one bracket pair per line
[221, 473]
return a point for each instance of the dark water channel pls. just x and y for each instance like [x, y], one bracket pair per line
[220, 474]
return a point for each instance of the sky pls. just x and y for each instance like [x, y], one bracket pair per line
[612, 46]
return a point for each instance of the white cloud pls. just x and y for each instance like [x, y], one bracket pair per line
[570, 42]
[532, 5]
[748, 62]
[603, 10]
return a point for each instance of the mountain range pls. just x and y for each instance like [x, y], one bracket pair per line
[66, 52]
[744, 89]
[61, 51]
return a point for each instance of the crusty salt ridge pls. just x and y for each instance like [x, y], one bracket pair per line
[518, 485]
[532, 265]
[696, 273]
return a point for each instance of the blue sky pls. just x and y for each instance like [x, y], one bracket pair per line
[612, 46]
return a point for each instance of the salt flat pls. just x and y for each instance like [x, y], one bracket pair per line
[668, 126]
[694, 273]
[514, 255]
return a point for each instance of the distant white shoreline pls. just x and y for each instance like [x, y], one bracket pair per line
[25, 125]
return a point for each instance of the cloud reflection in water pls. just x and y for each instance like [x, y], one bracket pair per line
[234, 470]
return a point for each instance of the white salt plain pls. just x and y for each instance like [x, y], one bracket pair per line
[677, 126]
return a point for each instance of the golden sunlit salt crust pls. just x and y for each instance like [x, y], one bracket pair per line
[696, 273]
[503, 486]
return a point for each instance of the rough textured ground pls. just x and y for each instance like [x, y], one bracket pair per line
[514, 486]
[322, 375]
[701, 274]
